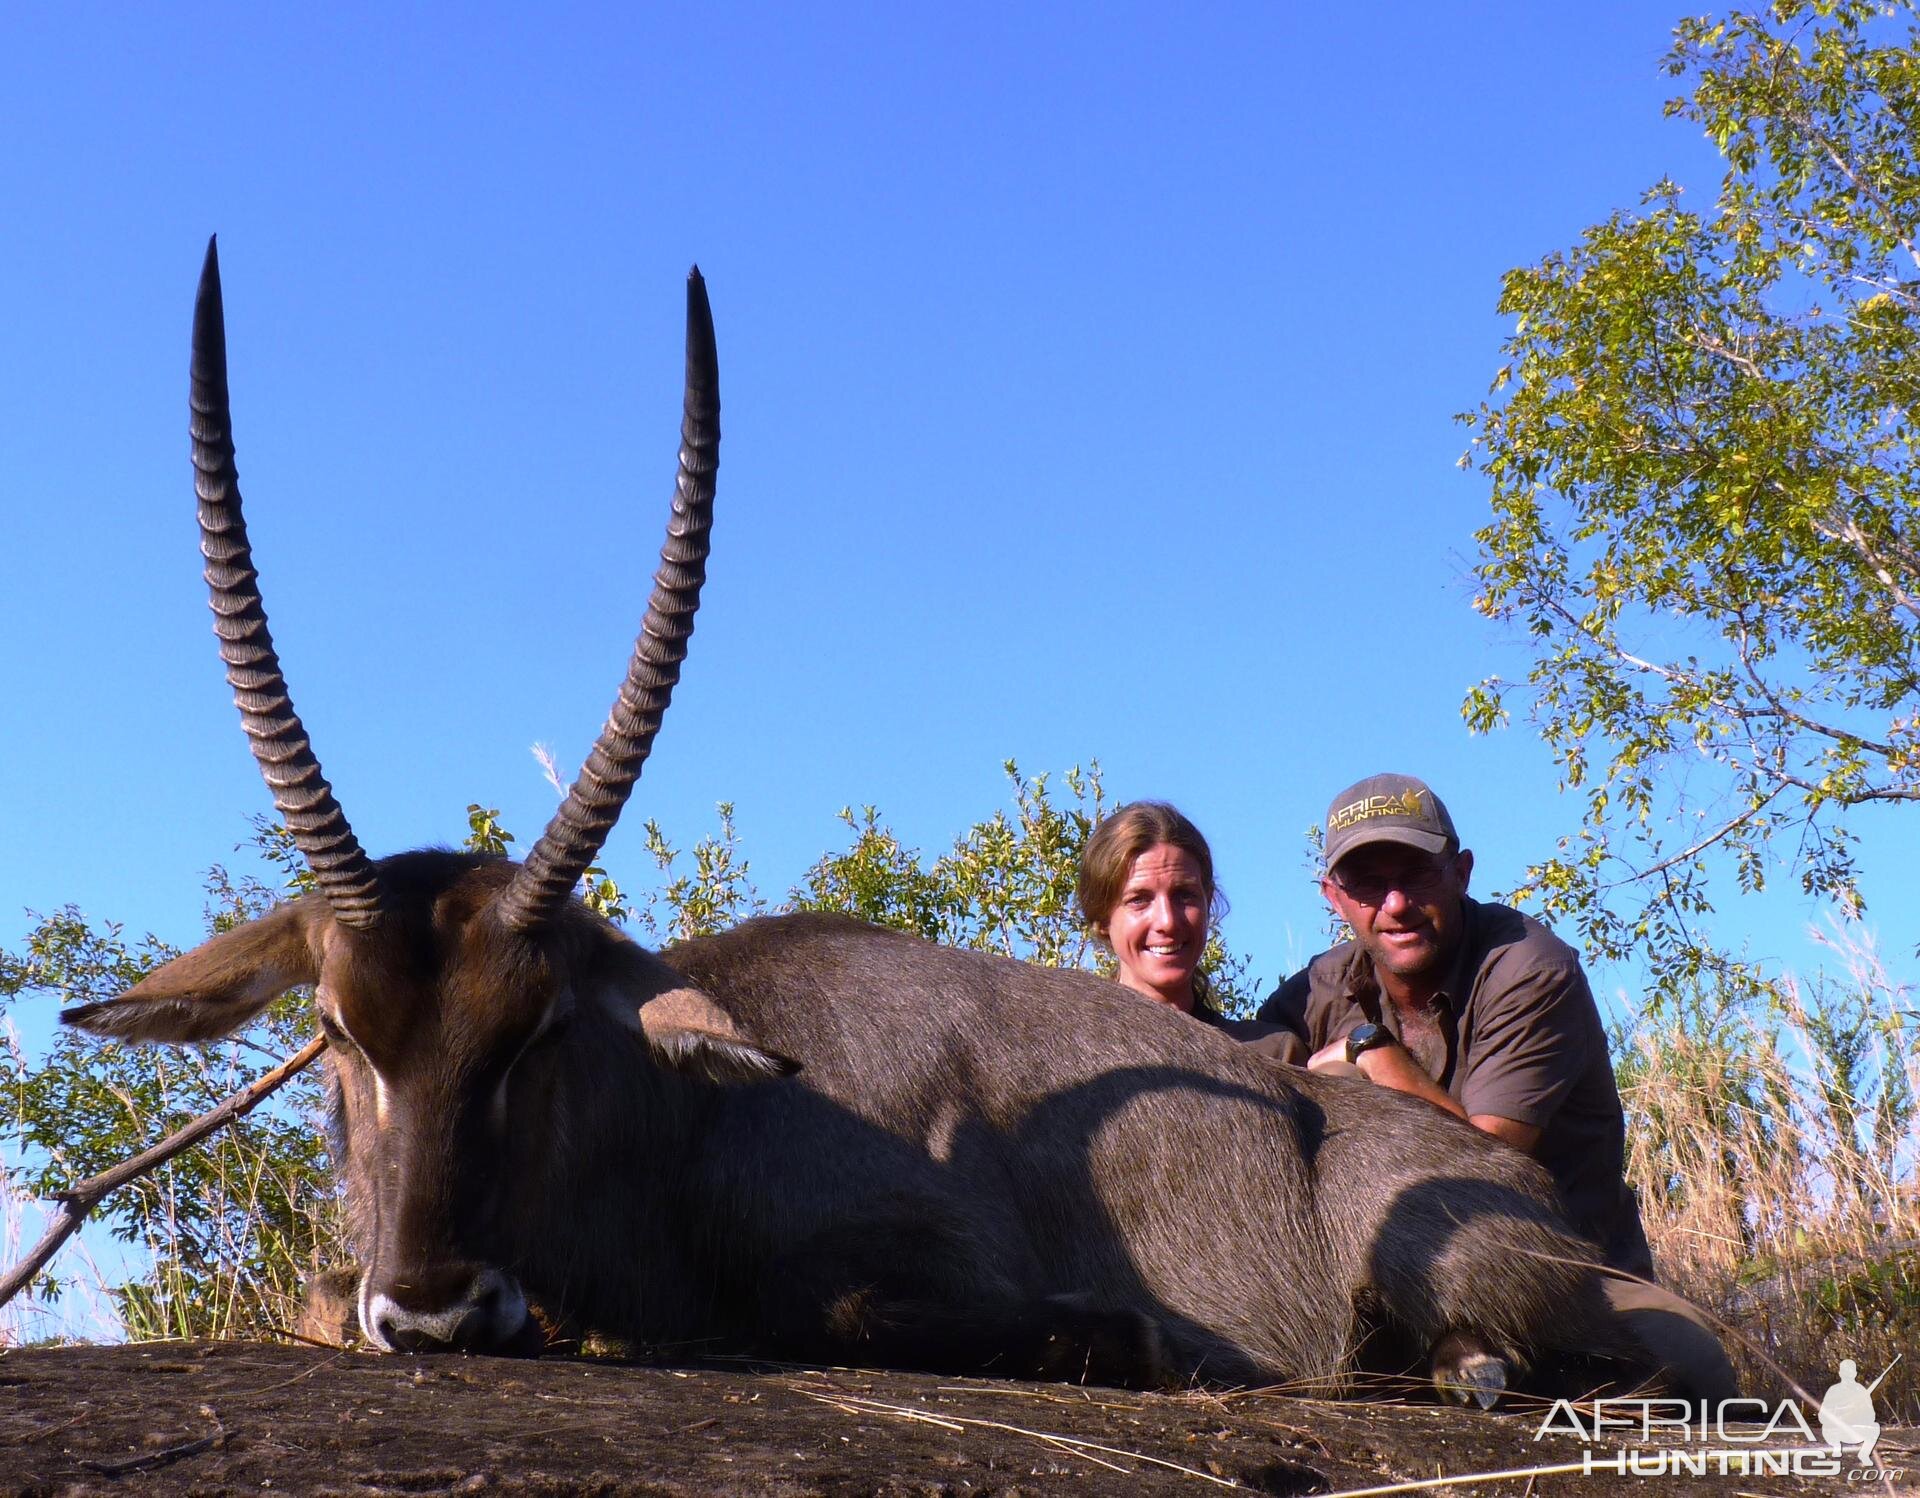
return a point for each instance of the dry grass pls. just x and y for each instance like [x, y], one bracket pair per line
[77, 1307]
[1774, 1145]
[244, 1273]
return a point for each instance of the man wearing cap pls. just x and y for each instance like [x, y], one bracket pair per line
[1474, 1007]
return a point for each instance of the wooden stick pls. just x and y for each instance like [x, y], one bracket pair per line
[76, 1202]
[1084, 1449]
[156, 1459]
[1464, 1479]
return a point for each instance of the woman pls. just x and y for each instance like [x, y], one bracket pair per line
[1147, 892]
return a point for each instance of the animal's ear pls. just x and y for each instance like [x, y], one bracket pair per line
[683, 1027]
[689, 1032]
[212, 990]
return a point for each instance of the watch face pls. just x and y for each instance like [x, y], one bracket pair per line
[1364, 1038]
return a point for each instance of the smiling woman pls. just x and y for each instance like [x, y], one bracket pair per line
[1147, 891]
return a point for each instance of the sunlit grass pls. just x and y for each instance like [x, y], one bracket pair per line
[1774, 1145]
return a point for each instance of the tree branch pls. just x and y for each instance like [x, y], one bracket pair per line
[76, 1202]
[1887, 287]
[1842, 527]
[1708, 344]
[1865, 189]
[1541, 600]
[1778, 709]
[1699, 847]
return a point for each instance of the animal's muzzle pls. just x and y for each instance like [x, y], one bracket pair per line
[452, 1308]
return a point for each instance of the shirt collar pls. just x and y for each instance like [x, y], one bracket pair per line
[1458, 987]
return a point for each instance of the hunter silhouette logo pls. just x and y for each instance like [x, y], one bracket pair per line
[1846, 1414]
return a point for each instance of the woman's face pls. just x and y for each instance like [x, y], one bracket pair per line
[1158, 927]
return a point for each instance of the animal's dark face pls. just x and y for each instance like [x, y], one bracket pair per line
[441, 1025]
[467, 1059]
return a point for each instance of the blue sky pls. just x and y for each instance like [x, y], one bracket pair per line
[1088, 378]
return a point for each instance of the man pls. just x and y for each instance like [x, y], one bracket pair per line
[1474, 1007]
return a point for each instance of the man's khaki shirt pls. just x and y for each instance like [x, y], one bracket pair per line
[1523, 1040]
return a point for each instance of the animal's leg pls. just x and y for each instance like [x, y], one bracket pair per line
[1042, 1338]
[1690, 1352]
[908, 1294]
[1570, 1328]
[1090, 1344]
[330, 1308]
[1486, 1262]
[1467, 1371]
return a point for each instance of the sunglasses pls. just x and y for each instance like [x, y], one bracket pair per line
[1418, 883]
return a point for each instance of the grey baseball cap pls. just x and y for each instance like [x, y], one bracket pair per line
[1387, 809]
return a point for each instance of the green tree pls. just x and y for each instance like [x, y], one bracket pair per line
[718, 893]
[231, 1228]
[1700, 457]
[1007, 884]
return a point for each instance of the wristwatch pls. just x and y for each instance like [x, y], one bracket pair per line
[1363, 1038]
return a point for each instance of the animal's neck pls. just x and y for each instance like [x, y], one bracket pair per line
[609, 1193]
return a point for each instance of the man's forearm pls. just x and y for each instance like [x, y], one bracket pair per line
[1385, 1066]
[1392, 1066]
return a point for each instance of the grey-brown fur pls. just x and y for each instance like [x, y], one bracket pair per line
[979, 1163]
[1115, 1149]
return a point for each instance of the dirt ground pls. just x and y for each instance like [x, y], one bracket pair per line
[219, 1418]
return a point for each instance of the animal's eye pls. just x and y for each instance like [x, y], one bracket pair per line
[535, 1044]
[337, 1038]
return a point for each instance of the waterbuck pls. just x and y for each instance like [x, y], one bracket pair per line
[807, 1137]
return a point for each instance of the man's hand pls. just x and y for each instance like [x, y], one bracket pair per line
[1331, 1060]
[1388, 1065]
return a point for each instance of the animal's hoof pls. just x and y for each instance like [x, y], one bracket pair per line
[1480, 1379]
[330, 1309]
[1466, 1373]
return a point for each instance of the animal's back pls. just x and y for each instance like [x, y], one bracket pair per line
[1141, 1158]
[1150, 1162]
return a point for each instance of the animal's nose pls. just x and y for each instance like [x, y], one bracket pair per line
[454, 1308]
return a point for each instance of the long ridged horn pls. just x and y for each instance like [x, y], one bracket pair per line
[286, 759]
[574, 837]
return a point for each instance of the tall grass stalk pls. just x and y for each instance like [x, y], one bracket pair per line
[233, 1233]
[72, 1303]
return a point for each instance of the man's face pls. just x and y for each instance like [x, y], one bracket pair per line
[1404, 906]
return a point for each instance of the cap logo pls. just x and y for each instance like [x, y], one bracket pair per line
[1407, 804]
